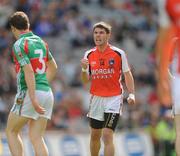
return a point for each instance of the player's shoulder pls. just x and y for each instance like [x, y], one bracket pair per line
[38, 39]
[18, 44]
[117, 50]
[34, 36]
[88, 52]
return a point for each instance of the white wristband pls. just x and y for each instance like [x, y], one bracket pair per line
[132, 96]
[84, 70]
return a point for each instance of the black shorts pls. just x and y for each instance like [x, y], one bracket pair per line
[110, 121]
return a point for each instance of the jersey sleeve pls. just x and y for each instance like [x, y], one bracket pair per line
[125, 65]
[164, 20]
[50, 56]
[20, 55]
[86, 57]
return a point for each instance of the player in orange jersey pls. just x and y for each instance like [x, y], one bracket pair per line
[104, 65]
[168, 53]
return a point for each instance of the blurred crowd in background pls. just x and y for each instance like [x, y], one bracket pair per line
[67, 27]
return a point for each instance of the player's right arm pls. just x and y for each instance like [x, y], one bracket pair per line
[163, 51]
[30, 82]
[84, 72]
[164, 34]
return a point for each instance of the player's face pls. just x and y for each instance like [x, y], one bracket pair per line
[101, 37]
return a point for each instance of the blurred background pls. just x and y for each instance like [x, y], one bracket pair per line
[67, 27]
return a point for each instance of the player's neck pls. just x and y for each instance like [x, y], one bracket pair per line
[20, 32]
[102, 48]
[24, 31]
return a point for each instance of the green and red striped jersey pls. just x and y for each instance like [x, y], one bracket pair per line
[31, 49]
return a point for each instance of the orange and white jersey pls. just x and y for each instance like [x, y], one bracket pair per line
[169, 15]
[175, 57]
[173, 10]
[164, 19]
[105, 70]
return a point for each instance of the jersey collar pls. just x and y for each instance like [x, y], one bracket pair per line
[106, 50]
[26, 34]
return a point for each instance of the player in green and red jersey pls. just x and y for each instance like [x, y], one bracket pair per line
[34, 100]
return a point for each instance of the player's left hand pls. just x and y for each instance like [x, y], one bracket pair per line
[131, 99]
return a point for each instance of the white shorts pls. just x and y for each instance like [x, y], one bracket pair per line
[100, 105]
[175, 89]
[23, 107]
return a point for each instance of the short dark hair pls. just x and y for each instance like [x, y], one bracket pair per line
[103, 25]
[19, 20]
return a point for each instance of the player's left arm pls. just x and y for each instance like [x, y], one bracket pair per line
[51, 67]
[129, 80]
[50, 64]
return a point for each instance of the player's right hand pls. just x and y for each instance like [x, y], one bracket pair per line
[84, 63]
[38, 108]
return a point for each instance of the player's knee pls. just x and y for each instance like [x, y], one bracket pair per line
[34, 137]
[10, 131]
[95, 136]
[107, 137]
